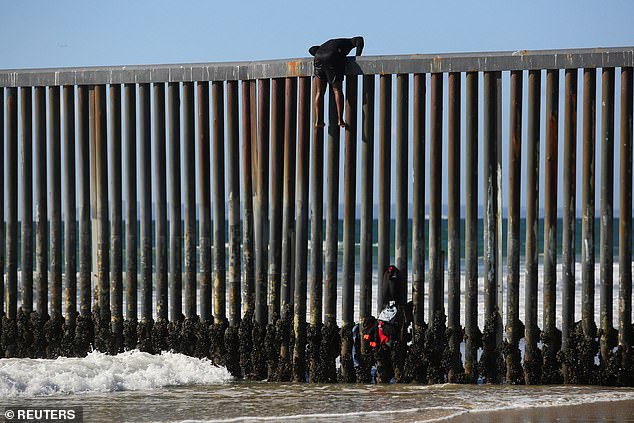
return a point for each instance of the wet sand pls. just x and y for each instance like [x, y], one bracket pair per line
[617, 411]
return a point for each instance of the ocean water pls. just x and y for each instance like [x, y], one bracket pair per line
[139, 387]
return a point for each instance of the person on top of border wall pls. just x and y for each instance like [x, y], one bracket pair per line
[330, 68]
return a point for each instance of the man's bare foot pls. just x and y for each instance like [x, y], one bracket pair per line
[319, 124]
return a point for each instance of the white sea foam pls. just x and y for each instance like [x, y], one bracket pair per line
[99, 372]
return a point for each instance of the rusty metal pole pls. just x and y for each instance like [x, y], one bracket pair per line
[116, 239]
[218, 189]
[26, 198]
[316, 241]
[569, 215]
[453, 212]
[491, 311]
[204, 198]
[175, 234]
[233, 201]
[607, 210]
[261, 206]
[330, 330]
[130, 216]
[288, 212]
[160, 201]
[498, 206]
[103, 240]
[625, 218]
[83, 176]
[435, 186]
[189, 197]
[402, 138]
[471, 226]
[276, 193]
[418, 201]
[332, 215]
[288, 231]
[12, 204]
[261, 202]
[70, 223]
[145, 202]
[587, 200]
[2, 207]
[385, 141]
[551, 345]
[532, 375]
[301, 235]
[247, 201]
[513, 366]
[550, 217]
[349, 207]
[231, 340]
[367, 206]
[41, 210]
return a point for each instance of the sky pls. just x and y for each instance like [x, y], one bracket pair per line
[86, 33]
[36, 34]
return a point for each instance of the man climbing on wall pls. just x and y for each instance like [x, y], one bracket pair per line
[330, 68]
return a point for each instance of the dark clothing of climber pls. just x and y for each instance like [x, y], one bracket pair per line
[330, 57]
[330, 66]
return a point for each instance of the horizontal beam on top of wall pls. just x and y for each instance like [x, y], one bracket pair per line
[416, 63]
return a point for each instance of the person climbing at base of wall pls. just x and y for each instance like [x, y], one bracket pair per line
[390, 330]
[330, 69]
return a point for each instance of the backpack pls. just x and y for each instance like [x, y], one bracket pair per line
[390, 325]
